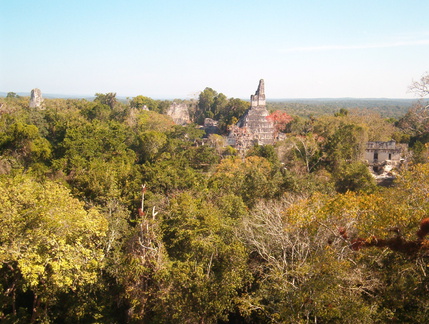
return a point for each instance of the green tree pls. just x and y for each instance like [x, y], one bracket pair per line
[149, 120]
[151, 144]
[266, 151]
[206, 102]
[420, 152]
[302, 153]
[234, 109]
[49, 245]
[252, 179]
[208, 263]
[354, 176]
[171, 174]
[61, 115]
[108, 99]
[163, 106]
[98, 162]
[341, 113]
[189, 133]
[97, 110]
[141, 266]
[346, 144]
[11, 95]
[142, 101]
[24, 143]
[201, 157]
[219, 105]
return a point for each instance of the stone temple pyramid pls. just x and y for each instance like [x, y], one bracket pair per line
[253, 127]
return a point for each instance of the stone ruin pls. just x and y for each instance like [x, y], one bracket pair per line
[36, 99]
[384, 157]
[179, 112]
[253, 127]
[211, 127]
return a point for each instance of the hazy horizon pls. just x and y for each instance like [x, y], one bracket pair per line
[120, 96]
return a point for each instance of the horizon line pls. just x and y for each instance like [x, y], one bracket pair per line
[84, 96]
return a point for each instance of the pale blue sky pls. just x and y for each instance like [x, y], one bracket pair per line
[174, 49]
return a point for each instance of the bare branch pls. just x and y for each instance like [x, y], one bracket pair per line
[421, 87]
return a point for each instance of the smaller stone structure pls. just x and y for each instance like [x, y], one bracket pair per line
[211, 127]
[36, 99]
[383, 157]
[240, 138]
[179, 112]
[379, 152]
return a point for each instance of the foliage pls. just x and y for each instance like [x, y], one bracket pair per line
[142, 101]
[108, 99]
[234, 109]
[212, 104]
[97, 160]
[280, 120]
[12, 95]
[152, 121]
[300, 277]
[395, 108]
[291, 233]
[346, 144]
[302, 153]
[252, 179]
[23, 142]
[49, 244]
[208, 262]
[266, 151]
[354, 176]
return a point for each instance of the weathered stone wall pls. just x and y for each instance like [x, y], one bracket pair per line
[378, 152]
[179, 112]
[383, 158]
[258, 99]
[381, 145]
[36, 99]
[211, 127]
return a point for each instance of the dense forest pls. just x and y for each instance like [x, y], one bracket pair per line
[393, 108]
[114, 214]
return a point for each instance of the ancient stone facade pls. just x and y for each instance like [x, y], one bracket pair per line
[383, 157]
[179, 112]
[36, 99]
[253, 127]
[258, 99]
[379, 152]
[211, 127]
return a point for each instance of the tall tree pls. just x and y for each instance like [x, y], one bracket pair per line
[108, 99]
[142, 101]
[346, 144]
[206, 102]
[208, 268]
[49, 244]
[421, 87]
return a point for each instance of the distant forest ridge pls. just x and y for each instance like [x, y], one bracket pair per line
[388, 108]
[304, 107]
